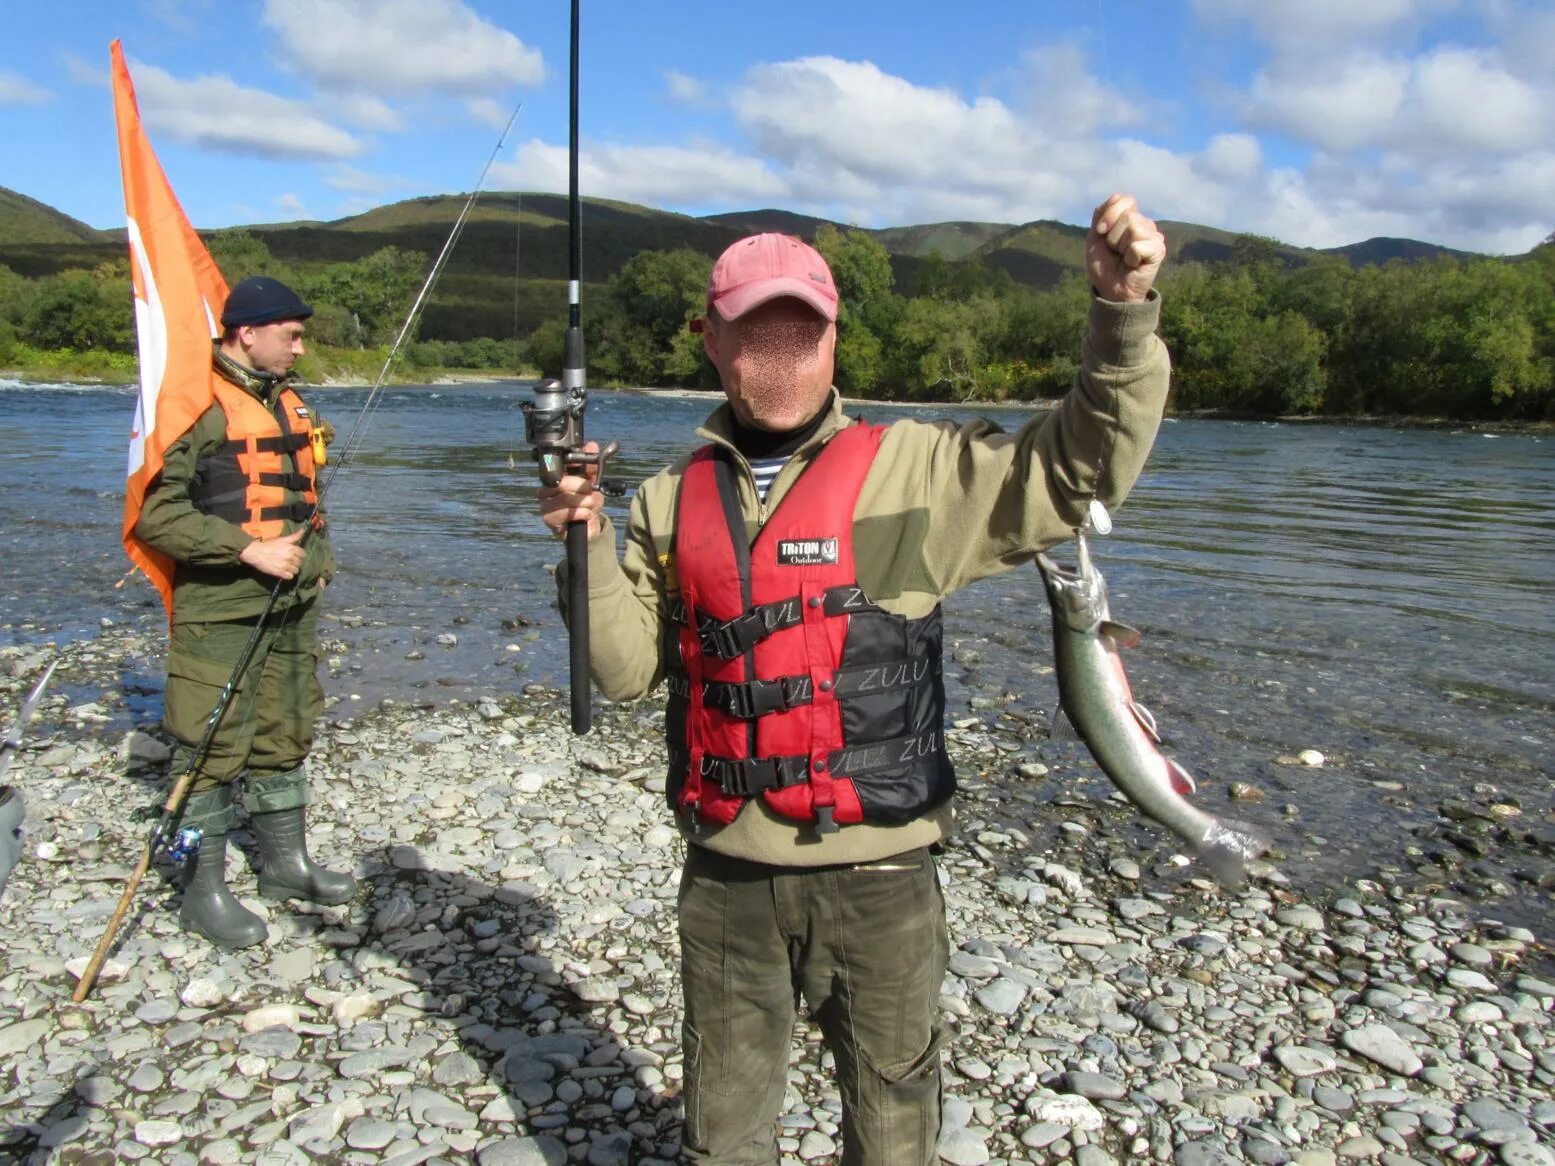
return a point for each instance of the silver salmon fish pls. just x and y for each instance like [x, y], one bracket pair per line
[1094, 695]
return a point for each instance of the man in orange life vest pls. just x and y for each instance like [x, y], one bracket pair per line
[230, 506]
[785, 580]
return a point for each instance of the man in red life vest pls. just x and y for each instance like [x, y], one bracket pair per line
[785, 581]
[230, 506]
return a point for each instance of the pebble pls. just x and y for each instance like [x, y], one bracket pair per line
[504, 989]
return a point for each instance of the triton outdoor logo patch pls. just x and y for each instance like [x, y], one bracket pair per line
[806, 552]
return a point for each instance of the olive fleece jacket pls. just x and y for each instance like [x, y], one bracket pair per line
[942, 506]
[209, 582]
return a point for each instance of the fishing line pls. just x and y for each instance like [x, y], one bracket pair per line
[1097, 519]
[353, 438]
[1106, 75]
[518, 272]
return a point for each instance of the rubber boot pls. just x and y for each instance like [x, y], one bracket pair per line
[285, 870]
[209, 908]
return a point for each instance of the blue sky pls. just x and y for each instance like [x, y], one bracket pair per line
[1320, 122]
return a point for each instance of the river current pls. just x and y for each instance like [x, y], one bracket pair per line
[1383, 596]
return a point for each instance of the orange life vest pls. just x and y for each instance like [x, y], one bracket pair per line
[263, 477]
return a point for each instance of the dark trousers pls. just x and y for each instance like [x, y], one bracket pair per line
[866, 948]
[268, 726]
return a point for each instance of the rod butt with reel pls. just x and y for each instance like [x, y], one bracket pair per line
[553, 425]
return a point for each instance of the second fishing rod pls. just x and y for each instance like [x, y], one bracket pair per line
[184, 844]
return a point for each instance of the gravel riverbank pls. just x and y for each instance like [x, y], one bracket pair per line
[503, 989]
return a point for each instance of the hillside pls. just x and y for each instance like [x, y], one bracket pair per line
[1381, 250]
[25, 220]
[526, 233]
[950, 241]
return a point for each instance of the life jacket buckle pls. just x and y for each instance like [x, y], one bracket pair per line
[729, 639]
[824, 822]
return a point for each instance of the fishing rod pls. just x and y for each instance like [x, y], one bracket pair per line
[183, 843]
[553, 425]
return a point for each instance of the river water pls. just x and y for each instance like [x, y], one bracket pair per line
[1386, 597]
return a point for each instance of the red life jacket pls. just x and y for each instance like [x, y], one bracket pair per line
[263, 476]
[786, 680]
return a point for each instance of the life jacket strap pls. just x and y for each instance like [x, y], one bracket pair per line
[728, 639]
[747, 777]
[298, 482]
[281, 443]
[296, 511]
[757, 698]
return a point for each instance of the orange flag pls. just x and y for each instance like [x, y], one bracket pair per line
[179, 292]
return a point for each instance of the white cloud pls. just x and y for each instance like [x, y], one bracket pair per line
[17, 90]
[489, 112]
[369, 113]
[217, 113]
[86, 73]
[1525, 32]
[1414, 146]
[654, 175]
[1466, 98]
[1450, 98]
[1337, 104]
[851, 115]
[1232, 157]
[1448, 142]
[684, 90]
[399, 47]
[864, 145]
[847, 140]
[183, 16]
[356, 181]
[1064, 99]
[291, 206]
[1313, 23]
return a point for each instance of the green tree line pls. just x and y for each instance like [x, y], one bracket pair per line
[83, 320]
[1437, 338]
[1468, 339]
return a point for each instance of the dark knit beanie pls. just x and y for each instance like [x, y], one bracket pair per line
[262, 300]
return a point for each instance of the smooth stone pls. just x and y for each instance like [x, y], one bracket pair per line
[963, 1147]
[1379, 1043]
[1305, 1060]
[370, 1133]
[539, 1150]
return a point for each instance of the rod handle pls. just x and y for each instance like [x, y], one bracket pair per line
[578, 626]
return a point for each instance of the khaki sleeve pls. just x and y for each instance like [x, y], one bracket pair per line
[169, 520]
[626, 605]
[994, 499]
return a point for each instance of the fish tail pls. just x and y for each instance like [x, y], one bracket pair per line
[1227, 847]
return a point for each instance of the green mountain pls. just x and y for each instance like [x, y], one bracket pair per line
[950, 241]
[1381, 250]
[756, 222]
[25, 220]
[522, 234]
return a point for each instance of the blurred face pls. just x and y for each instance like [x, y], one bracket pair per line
[775, 362]
[272, 348]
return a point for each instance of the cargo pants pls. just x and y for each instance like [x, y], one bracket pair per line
[268, 726]
[866, 948]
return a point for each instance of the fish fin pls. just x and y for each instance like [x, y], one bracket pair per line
[1146, 721]
[1227, 847]
[1121, 634]
[1182, 780]
[1060, 727]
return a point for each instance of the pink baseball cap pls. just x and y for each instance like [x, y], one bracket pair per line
[759, 268]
